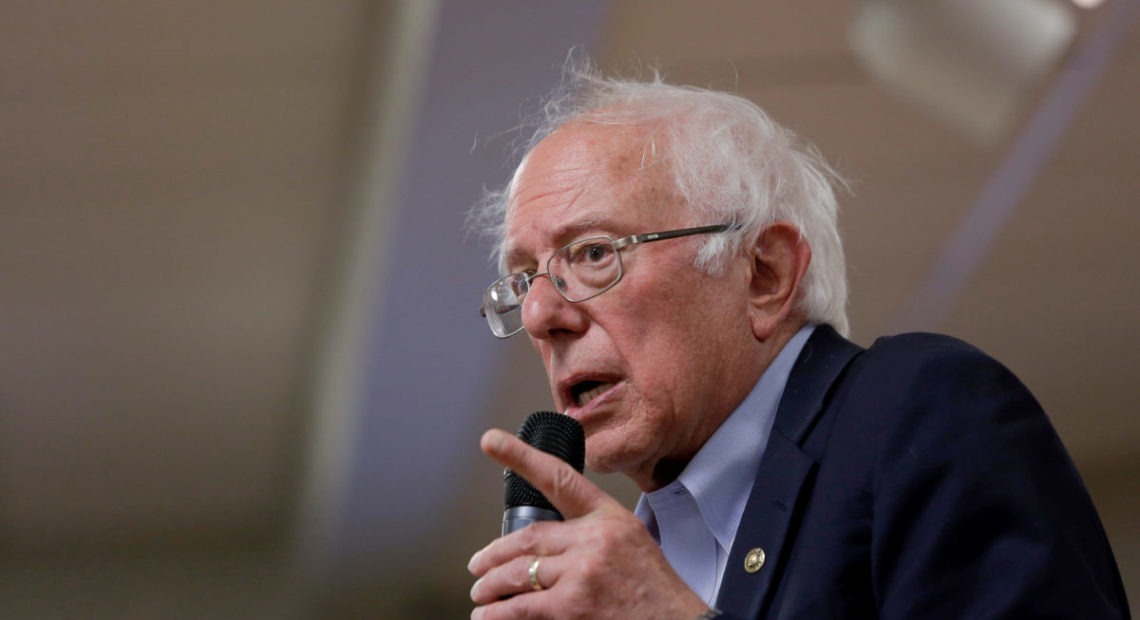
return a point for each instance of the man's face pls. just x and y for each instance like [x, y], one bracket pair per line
[651, 367]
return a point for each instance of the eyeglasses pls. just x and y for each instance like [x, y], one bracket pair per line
[579, 271]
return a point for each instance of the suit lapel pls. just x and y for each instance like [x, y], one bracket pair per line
[767, 528]
[763, 530]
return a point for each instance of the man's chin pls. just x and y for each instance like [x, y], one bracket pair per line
[611, 455]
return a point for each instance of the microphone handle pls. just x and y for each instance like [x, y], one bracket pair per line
[521, 516]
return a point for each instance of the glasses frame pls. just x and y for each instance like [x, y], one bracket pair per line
[618, 245]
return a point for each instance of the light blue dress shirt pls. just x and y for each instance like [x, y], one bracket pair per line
[695, 517]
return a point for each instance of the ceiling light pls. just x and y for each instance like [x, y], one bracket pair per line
[967, 61]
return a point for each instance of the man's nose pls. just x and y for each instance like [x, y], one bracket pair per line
[546, 313]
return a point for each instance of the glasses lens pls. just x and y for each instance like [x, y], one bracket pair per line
[502, 304]
[587, 267]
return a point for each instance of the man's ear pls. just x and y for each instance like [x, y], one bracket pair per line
[779, 259]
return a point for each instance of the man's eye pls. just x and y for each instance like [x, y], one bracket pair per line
[520, 284]
[596, 253]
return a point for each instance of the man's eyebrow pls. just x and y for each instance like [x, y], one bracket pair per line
[563, 234]
[571, 231]
[510, 256]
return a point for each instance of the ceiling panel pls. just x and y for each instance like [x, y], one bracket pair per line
[171, 181]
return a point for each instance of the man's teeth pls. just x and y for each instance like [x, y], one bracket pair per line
[589, 394]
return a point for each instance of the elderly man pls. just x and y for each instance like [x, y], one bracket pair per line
[673, 256]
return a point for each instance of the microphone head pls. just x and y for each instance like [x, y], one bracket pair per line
[553, 433]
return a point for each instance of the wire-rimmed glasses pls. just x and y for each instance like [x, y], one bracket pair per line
[579, 271]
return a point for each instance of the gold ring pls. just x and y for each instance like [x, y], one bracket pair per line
[535, 584]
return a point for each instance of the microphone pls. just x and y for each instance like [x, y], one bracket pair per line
[553, 433]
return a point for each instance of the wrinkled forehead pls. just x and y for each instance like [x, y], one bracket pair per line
[586, 175]
[582, 151]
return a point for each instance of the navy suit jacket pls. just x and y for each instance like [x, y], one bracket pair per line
[916, 479]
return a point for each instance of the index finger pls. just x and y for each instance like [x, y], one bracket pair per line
[568, 490]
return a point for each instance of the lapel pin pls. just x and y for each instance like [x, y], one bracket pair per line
[754, 560]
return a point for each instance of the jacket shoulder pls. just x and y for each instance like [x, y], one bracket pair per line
[935, 368]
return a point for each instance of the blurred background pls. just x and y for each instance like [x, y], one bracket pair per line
[241, 370]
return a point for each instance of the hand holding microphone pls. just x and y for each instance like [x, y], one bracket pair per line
[600, 562]
[553, 433]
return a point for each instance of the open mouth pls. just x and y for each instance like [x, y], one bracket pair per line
[585, 391]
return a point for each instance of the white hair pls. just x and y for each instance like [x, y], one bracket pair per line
[729, 161]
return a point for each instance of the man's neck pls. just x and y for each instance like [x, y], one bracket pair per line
[667, 469]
